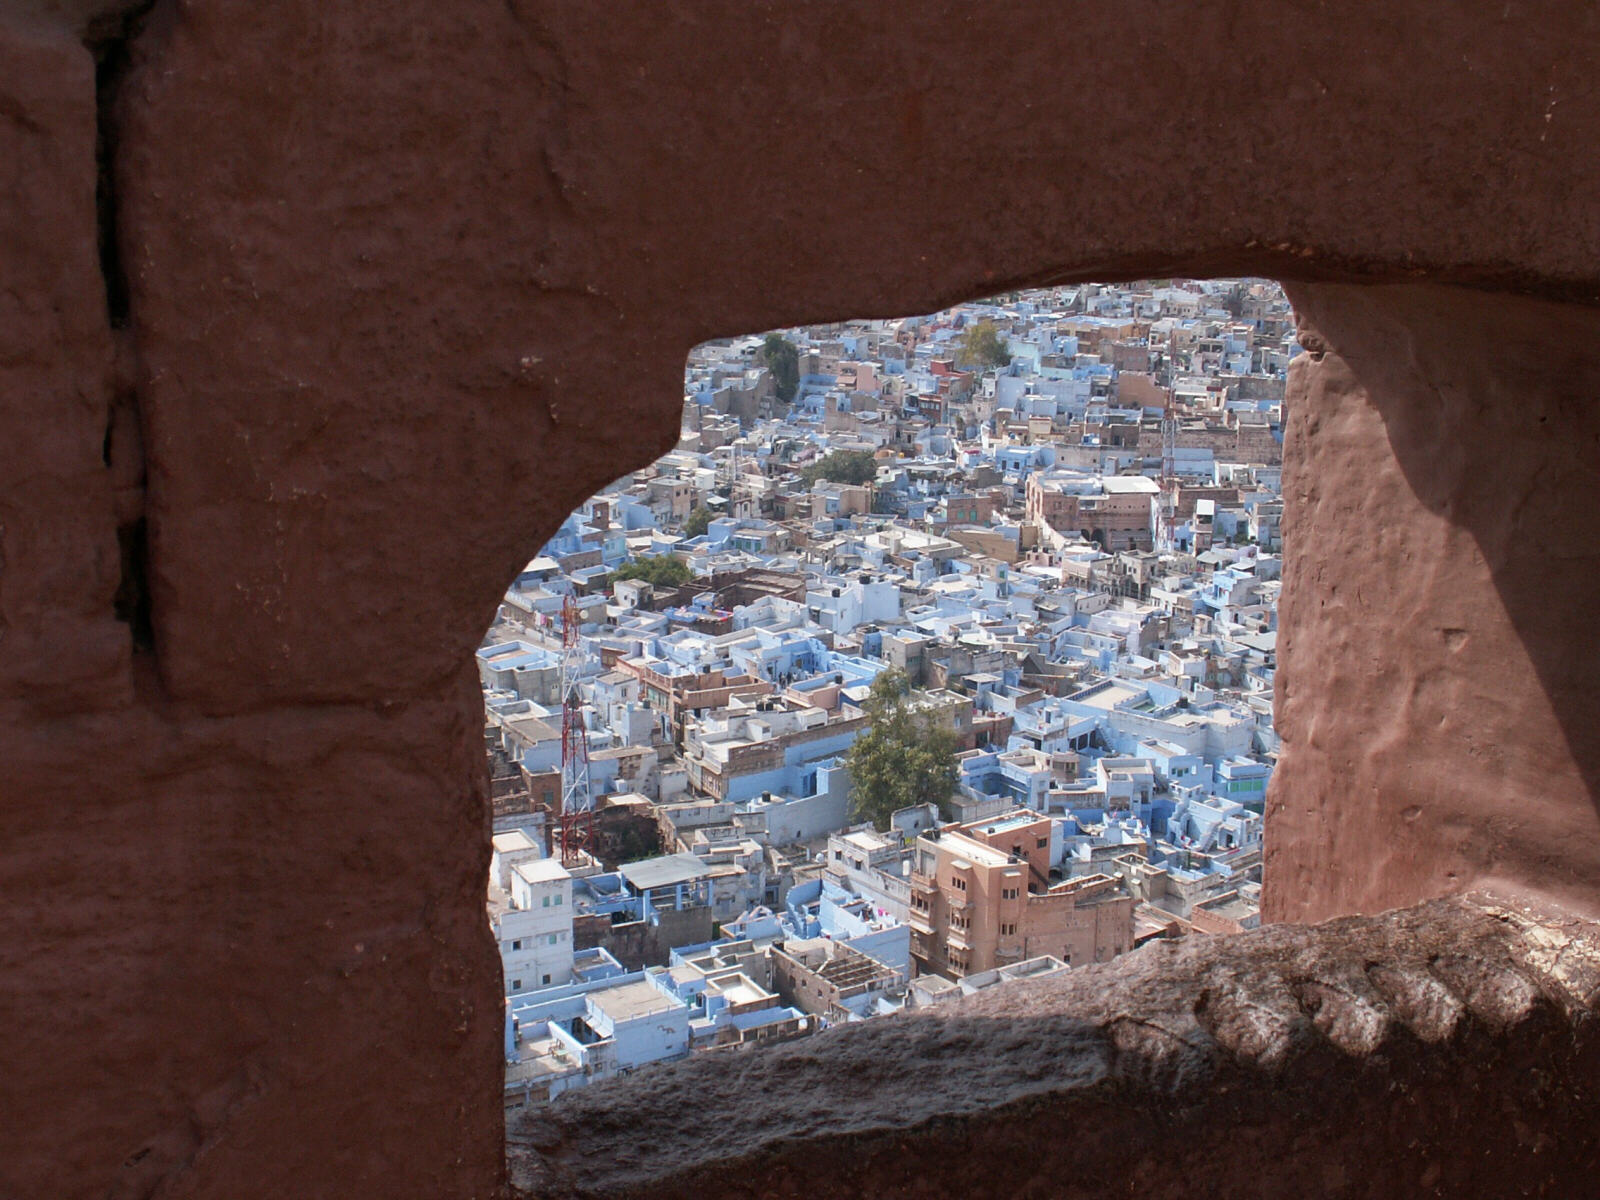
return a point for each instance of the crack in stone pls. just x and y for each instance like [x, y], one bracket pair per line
[108, 37]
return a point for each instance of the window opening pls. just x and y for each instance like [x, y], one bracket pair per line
[920, 617]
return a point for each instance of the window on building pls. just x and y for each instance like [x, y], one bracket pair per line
[558, 900]
[547, 901]
[516, 984]
[547, 980]
[552, 939]
[517, 945]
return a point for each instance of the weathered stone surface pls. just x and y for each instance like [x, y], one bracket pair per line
[404, 282]
[1446, 1050]
[246, 956]
[397, 277]
[60, 647]
[1436, 672]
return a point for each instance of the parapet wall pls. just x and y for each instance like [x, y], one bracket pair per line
[1445, 1050]
[316, 319]
[1436, 691]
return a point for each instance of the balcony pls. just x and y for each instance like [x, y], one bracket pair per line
[920, 922]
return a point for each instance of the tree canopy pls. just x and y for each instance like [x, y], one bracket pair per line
[982, 345]
[842, 466]
[901, 759]
[697, 522]
[663, 570]
[778, 355]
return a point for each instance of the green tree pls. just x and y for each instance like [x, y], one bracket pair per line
[663, 570]
[901, 759]
[779, 355]
[842, 466]
[698, 521]
[982, 345]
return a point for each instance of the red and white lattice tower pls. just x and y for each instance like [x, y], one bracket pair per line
[1169, 472]
[577, 803]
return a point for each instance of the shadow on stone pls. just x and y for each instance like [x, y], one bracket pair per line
[1443, 484]
[1447, 1049]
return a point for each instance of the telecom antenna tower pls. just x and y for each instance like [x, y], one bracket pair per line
[577, 802]
[1169, 472]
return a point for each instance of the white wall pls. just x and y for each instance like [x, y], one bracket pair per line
[535, 936]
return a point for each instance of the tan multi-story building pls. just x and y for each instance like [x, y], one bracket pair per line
[750, 739]
[1049, 502]
[672, 496]
[981, 897]
[1116, 510]
[684, 691]
[1122, 516]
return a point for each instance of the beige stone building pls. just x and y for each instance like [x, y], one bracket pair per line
[981, 897]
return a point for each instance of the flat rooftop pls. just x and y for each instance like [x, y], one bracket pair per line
[1108, 695]
[1233, 908]
[1129, 483]
[740, 990]
[968, 851]
[542, 870]
[512, 840]
[633, 1000]
[865, 840]
[1007, 822]
[667, 871]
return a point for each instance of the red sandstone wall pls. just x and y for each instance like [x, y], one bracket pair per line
[405, 282]
[1439, 1051]
[376, 250]
[1436, 686]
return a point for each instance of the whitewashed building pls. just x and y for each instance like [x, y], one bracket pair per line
[535, 932]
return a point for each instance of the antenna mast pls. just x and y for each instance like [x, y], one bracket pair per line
[577, 802]
[1169, 471]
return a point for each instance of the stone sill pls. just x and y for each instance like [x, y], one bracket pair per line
[1447, 1049]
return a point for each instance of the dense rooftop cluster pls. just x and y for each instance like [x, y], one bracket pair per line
[1056, 513]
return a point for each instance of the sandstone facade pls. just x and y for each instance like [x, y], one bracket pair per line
[316, 319]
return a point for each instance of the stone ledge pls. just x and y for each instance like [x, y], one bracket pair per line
[1447, 1049]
